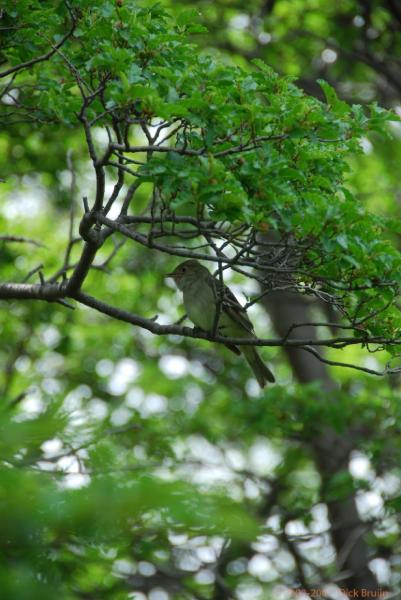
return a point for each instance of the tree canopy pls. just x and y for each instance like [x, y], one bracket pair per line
[137, 457]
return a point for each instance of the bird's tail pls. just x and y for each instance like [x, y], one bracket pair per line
[260, 370]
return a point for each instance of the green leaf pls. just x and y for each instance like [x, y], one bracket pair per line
[338, 107]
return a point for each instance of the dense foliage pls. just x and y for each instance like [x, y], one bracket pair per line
[133, 464]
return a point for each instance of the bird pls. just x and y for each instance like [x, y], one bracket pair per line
[201, 299]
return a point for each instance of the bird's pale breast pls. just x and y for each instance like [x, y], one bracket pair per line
[200, 304]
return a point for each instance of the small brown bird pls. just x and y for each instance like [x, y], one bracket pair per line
[200, 294]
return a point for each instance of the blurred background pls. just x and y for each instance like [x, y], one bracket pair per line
[144, 467]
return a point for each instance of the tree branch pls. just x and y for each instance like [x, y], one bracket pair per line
[47, 55]
[54, 291]
[201, 151]
[31, 291]
[19, 239]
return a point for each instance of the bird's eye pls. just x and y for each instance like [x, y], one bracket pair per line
[183, 269]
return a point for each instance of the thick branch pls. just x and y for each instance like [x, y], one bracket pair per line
[52, 291]
[82, 268]
[29, 291]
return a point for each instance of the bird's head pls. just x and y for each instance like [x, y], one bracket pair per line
[187, 272]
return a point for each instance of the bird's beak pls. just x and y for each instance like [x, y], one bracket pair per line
[169, 275]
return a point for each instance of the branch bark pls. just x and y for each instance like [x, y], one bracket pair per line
[50, 292]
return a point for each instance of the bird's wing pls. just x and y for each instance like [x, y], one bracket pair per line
[231, 306]
[236, 311]
[233, 349]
